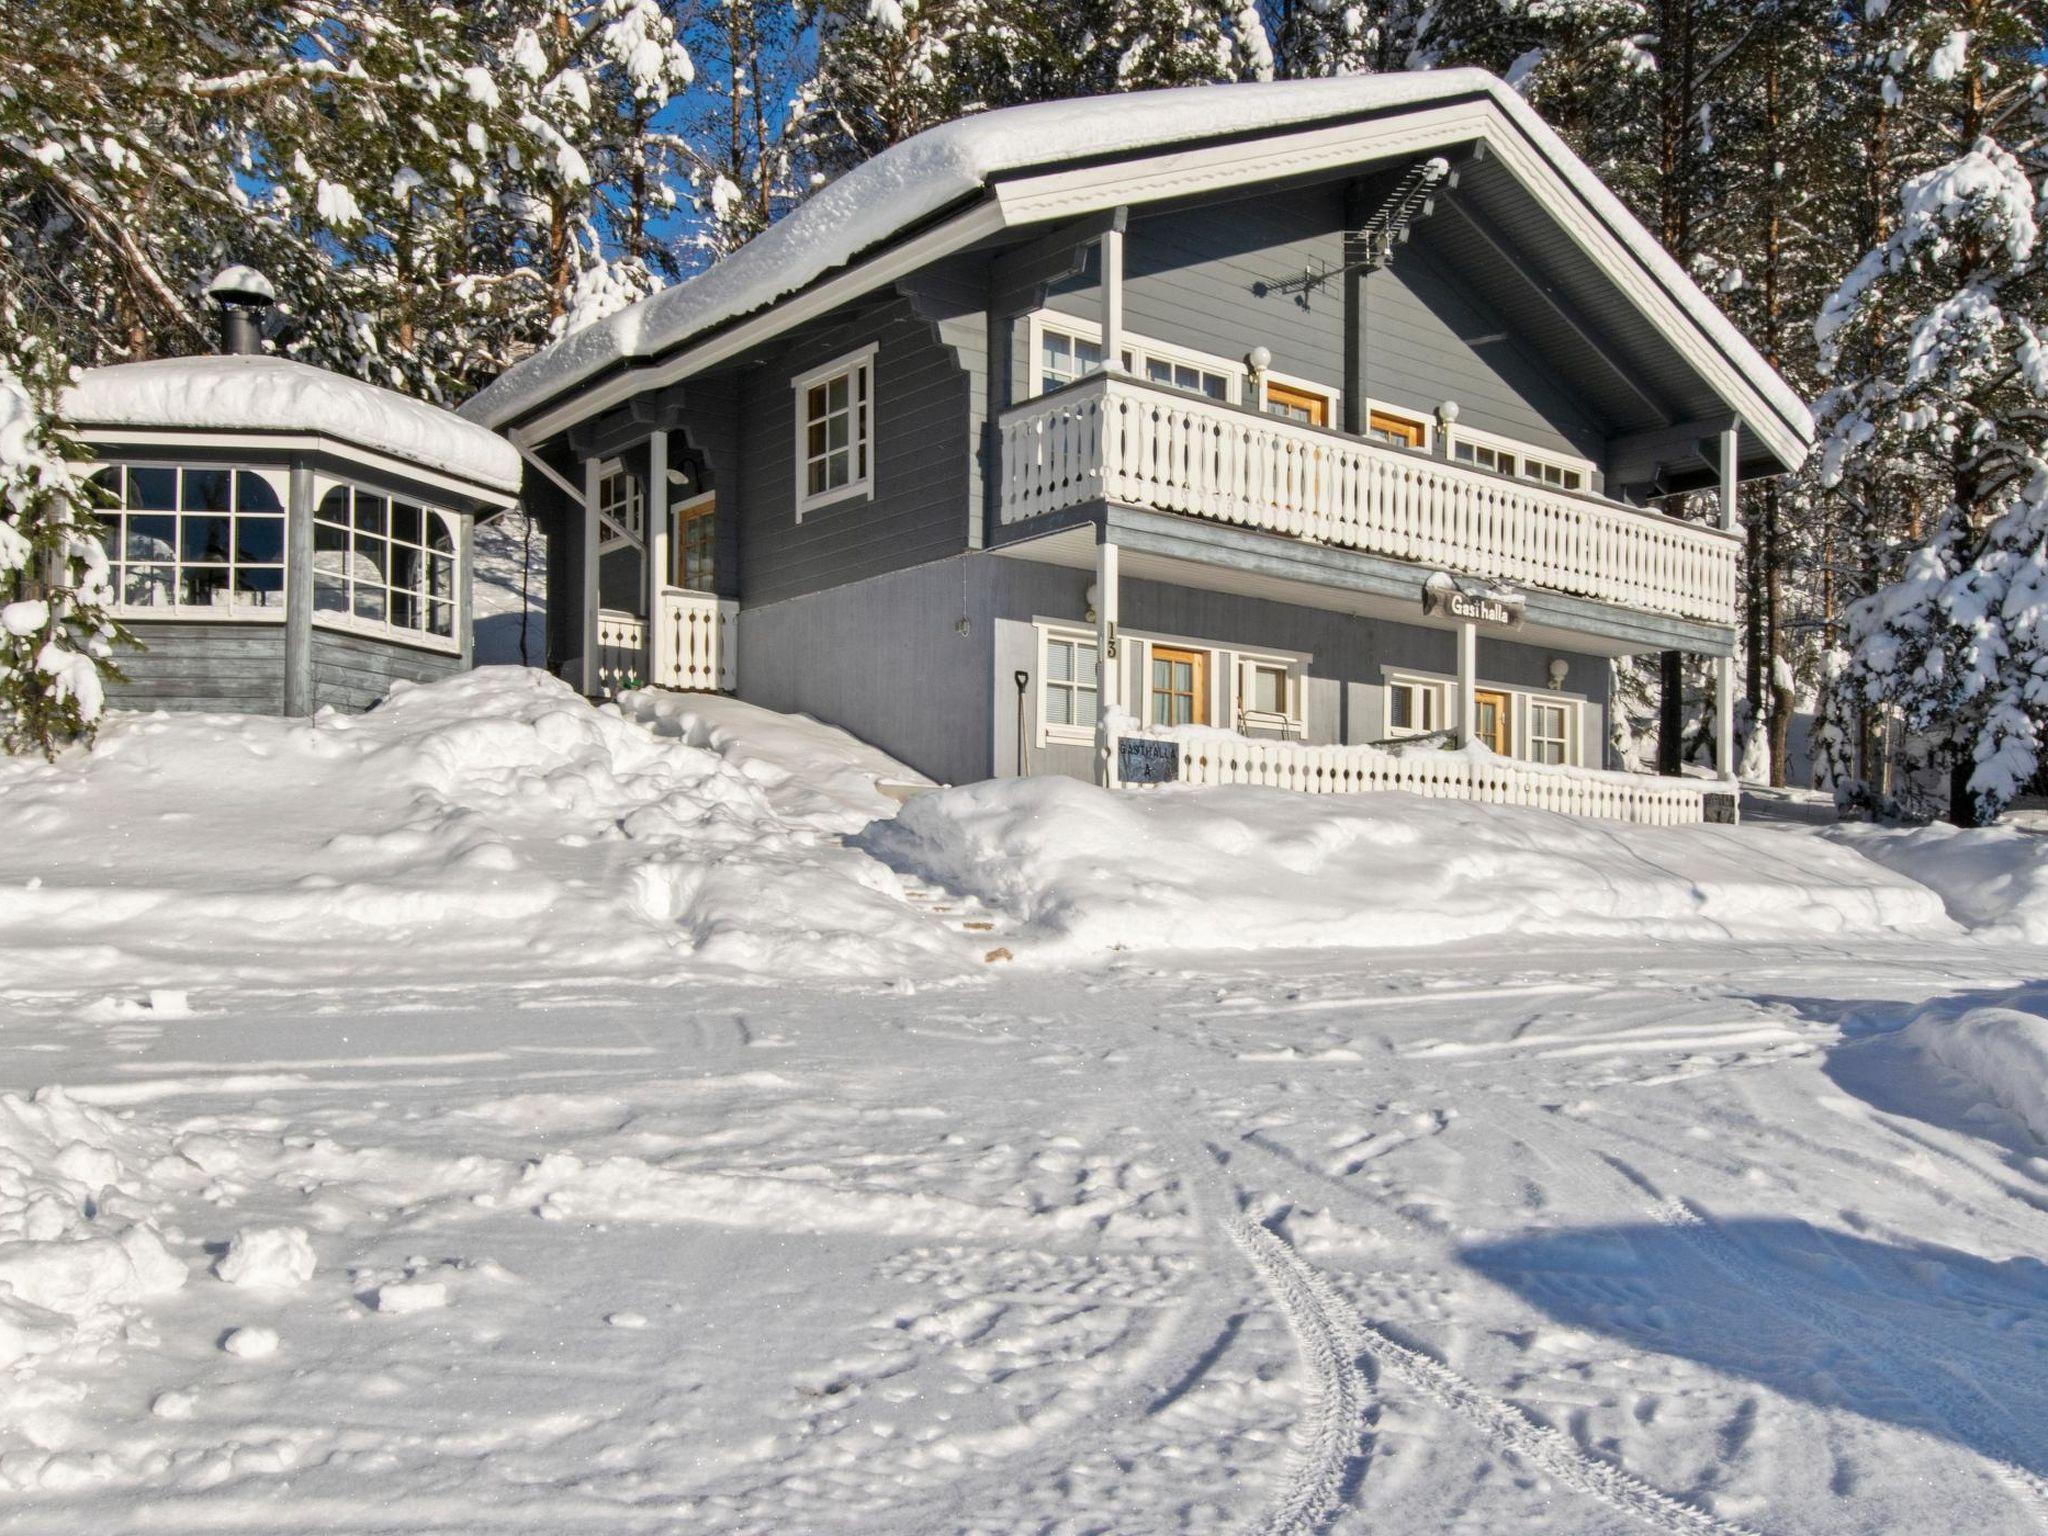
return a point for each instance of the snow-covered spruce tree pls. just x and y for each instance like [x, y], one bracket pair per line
[56, 640]
[1940, 407]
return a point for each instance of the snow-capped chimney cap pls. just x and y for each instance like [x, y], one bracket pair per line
[243, 294]
[242, 285]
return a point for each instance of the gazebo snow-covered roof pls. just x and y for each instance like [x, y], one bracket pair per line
[275, 396]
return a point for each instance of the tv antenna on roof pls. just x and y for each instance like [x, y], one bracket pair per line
[1371, 245]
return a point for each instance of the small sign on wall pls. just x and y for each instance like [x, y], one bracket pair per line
[1497, 609]
[1719, 808]
[1142, 760]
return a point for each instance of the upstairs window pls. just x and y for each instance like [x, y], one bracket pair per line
[835, 456]
[1195, 378]
[1484, 456]
[209, 539]
[1064, 357]
[1561, 476]
[1396, 428]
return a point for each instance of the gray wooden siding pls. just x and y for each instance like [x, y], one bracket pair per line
[197, 666]
[901, 660]
[922, 462]
[1345, 676]
[953, 296]
[921, 663]
[1192, 277]
[355, 672]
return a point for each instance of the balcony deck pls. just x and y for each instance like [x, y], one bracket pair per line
[1117, 440]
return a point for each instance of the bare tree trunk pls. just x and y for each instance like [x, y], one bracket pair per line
[1675, 50]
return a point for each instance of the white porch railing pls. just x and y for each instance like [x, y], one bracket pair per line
[1220, 757]
[1123, 441]
[697, 642]
[621, 651]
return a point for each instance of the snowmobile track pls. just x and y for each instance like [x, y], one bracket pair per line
[1504, 1426]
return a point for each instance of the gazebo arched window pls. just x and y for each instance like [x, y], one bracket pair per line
[384, 565]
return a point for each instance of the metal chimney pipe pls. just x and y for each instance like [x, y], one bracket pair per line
[244, 294]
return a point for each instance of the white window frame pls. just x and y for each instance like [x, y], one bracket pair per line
[422, 638]
[1521, 704]
[1436, 689]
[633, 505]
[859, 365]
[1333, 409]
[1406, 413]
[1052, 733]
[1294, 688]
[1140, 347]
[279, 481]
[1574, 731]
[1523, 453]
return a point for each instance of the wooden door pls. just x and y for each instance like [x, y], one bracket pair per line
[1495, 726]
[693, 541]
[1180, 686]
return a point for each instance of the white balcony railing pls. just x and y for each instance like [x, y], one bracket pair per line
[696, 642]
[1119, 440]
[1219, 757]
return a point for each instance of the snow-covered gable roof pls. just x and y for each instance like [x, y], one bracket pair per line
[278, 395]
[947, 167]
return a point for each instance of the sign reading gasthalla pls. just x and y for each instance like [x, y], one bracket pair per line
[1442, 594]
[1142, 760]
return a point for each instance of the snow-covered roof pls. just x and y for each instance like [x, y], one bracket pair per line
[948, 165]
[276, 394]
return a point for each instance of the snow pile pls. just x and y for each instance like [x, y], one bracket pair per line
[275, 394]
[1252, 868]
[77, 1247]
[494, 820]
[2001, 1053]
[1993, 880]
[267, 1259]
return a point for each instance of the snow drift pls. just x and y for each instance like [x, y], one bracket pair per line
[494, 820]
[1086, 871]
[1993, 880]
[1999, 1053]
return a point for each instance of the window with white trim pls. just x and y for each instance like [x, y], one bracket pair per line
[1269, 695]
[619, 503]
[1415, 706]
[1550, 733]
[384, 565]
[1395, 428]
[194, 539]
[1483, 456]
[835, 454]
[1067, 349]
[1563, 477]
[1069, 686]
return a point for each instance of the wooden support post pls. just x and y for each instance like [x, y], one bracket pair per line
[658, 666]
[1108, 665]
[1113, 300]
[590, 485]
[1724, 672]
[298, 592]
[1468, 684]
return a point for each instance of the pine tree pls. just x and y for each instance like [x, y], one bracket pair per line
[1940, 404]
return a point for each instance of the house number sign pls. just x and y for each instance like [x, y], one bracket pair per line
[1142, 760]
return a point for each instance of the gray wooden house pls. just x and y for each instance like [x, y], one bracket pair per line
[282, 537]
[1262, 433]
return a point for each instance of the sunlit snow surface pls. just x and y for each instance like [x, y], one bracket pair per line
[503, 1191]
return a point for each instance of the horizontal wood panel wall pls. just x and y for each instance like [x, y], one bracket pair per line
[235, 667]
[1192, 275]
[355, 672]
[922, 460]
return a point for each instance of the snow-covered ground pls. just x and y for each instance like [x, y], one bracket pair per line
[492, 1115]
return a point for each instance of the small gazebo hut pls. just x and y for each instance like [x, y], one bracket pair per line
[282, 537]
